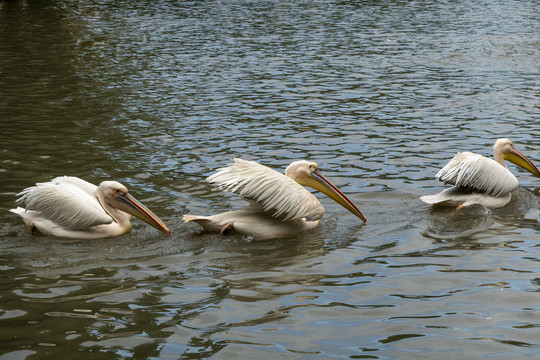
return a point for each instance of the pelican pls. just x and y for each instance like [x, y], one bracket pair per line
[480, 180]
[74, 208]
[279, 206]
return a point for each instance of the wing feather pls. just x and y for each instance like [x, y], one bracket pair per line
[65, 203]
[478, 173]
[84, 185]
[277, 193]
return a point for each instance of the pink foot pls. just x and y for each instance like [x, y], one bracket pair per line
[227, 229]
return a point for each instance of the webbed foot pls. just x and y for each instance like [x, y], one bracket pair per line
[227, 229]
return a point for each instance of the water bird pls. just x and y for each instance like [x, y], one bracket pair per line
[480, 180]
[279, 206]
[70, 207]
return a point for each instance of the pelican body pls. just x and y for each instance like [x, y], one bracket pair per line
[480, 180]
[279, 207]
[74, 208]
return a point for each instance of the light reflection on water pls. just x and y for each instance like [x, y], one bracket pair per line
[381, 94]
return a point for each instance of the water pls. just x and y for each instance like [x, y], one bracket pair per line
[381, 94]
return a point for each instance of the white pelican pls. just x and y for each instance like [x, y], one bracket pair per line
[71, 207]
[480, 180]
[280, 207]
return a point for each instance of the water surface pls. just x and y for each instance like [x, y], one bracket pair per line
[380, 93]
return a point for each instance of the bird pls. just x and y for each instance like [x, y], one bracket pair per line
[280, 206]
[480, 180]
[71, 207]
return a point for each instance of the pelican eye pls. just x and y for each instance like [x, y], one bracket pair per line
[119, 192]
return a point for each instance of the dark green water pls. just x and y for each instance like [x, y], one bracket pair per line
[381, 94]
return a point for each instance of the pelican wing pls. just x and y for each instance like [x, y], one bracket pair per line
[478, 173]
[84, 185]
[65, 204]
[278, 194]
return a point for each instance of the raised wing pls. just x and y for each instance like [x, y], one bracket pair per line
[65, 203]
[478, 173]
[278, 194]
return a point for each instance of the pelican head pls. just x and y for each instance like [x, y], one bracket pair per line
[504, 149]
[116, 196]
[307, 173]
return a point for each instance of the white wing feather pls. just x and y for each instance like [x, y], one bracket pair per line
[278, 194]
[65, 203]
[84, 185]
[478, 173]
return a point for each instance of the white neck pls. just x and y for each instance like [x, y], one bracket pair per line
[498, 156]
[120, 217]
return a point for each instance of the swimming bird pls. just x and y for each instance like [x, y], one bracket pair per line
[70, 207]
[480, 180]
[279, 206]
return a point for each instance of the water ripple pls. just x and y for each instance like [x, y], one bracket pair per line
[380, 94]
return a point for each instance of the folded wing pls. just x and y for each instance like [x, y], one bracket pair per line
[478, 173]
[278, 194]
[63, 202]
